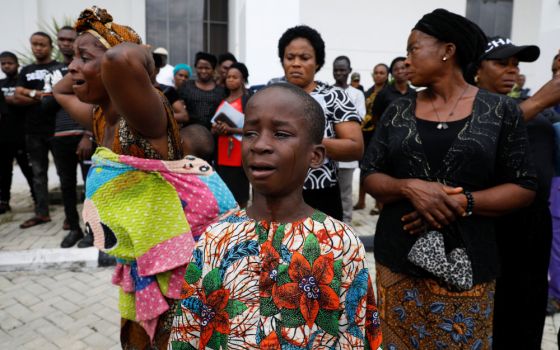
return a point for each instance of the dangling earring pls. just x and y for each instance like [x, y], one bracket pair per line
[476, 79]
[444, 58]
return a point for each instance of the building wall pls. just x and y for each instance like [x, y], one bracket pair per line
[371, 31]
[537, 22]
[255, 27]
[368, 31]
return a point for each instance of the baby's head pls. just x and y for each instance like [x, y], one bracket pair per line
[282, 139]
[198, 142]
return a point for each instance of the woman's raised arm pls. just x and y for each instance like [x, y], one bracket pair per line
[125, 70]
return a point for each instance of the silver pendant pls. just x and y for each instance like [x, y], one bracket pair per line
[442, 126]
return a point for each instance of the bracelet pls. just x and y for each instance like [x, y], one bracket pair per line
[470, 203]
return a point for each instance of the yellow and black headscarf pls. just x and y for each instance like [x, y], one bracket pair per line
[99, 23]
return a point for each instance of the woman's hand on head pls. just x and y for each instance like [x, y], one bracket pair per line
[125, 71]
[436, 204]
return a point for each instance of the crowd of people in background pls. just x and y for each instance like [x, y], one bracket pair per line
[458, 155]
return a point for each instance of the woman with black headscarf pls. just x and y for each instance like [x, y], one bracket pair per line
[444, 164]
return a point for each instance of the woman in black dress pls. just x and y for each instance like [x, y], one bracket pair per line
[202, 96]
[448, 160]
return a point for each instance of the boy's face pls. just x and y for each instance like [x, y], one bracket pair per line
[65, 41]
[9, 66]
[41, 47]
[276, 149]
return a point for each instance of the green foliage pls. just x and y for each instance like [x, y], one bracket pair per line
[26, 57]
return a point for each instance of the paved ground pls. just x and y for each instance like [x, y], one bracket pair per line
[58, 299]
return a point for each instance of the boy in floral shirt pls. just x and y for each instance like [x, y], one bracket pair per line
[278, 275]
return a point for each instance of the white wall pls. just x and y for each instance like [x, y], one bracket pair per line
[537, 22]
[255, 29]
[20, 18]
[367, 31]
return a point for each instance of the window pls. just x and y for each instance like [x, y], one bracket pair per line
[493, 16]
[215, 26]
[176, 25]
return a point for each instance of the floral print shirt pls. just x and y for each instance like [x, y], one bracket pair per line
[269, 285]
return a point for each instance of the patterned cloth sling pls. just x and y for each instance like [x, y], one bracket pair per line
[148, 214]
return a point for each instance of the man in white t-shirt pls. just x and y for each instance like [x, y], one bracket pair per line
[165, 75]
[341, 71]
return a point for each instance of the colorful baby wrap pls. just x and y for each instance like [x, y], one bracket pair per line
[148, 214]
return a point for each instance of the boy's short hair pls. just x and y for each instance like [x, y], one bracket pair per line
[9, 54]
[343, 58]
[198, 141]
[44, 35]
[395, 61]
[312, 111]
[67, 28]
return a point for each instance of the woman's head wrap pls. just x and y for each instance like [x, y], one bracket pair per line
[470, 41]
[241, 68]
[183, 66]
[99, 23]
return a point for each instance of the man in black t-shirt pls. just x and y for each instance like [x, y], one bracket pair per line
[71, 145]
[12, 132]
[39, 125]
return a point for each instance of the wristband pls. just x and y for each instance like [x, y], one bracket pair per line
[470, 203]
